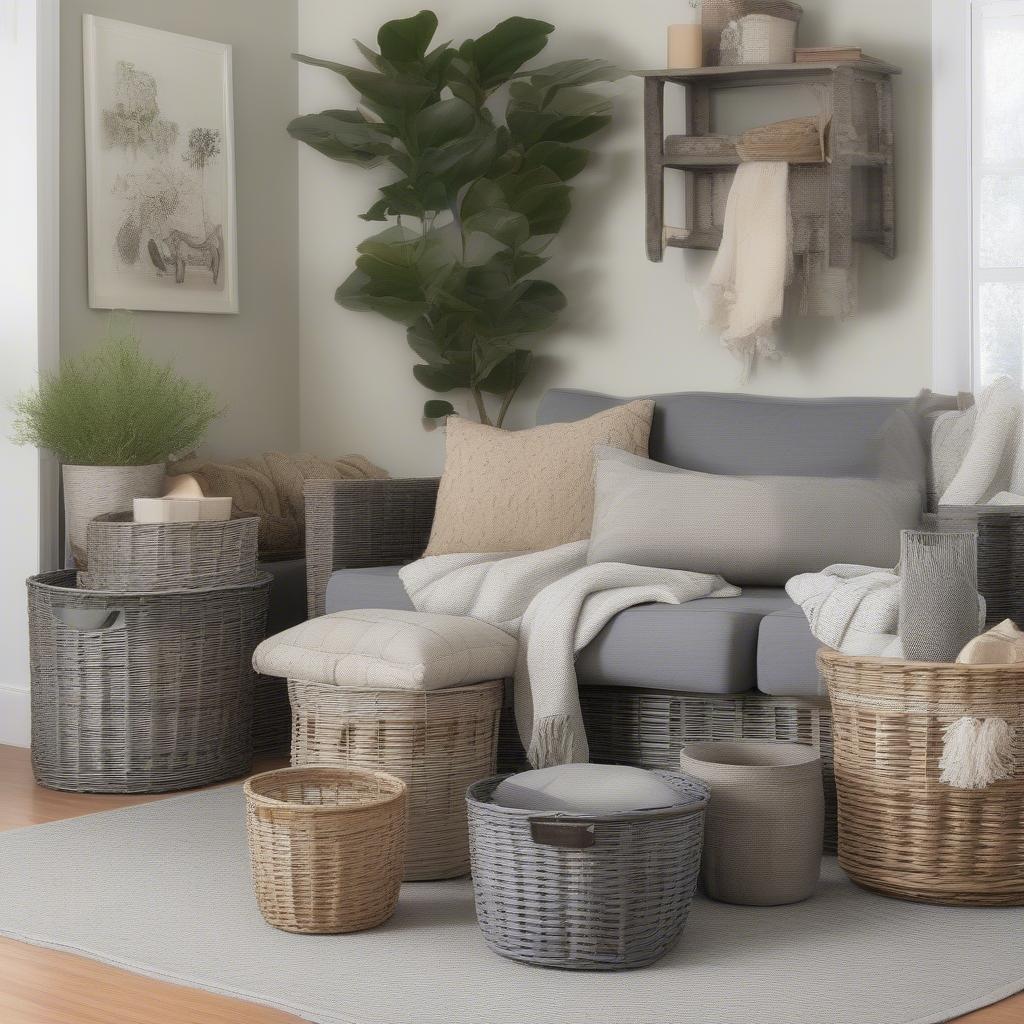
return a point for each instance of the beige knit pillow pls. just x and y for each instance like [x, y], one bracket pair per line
[527, 490]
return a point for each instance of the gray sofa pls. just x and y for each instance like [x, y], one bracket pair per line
[759, 642]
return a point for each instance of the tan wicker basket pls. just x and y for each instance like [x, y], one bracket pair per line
[902, 831]
[326, 847]
[438, 741]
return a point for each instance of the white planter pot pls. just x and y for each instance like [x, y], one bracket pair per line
[91, 491]
[765, 820]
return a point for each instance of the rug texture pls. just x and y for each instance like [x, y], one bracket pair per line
[163, 889]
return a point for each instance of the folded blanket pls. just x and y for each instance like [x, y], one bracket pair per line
[555, 604]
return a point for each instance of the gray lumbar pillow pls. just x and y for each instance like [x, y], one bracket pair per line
[755, 530]
[586, 789]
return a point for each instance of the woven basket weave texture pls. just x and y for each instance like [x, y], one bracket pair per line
[141, 693]
[437, 741]
[902, 831]
[619, 899]
[326, 847]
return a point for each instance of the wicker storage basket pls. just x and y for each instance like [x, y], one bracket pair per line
[141, 693]
[716, 14]
[133, 557]
[326, 847]
[1000, 531]
[902, 831]
[587, 892]
[437, 741]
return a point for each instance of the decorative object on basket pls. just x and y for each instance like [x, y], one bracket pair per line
[1003, 644]
[902, 831]
[326, 847]
[463, 168]
[640, 866]
[113, 417]
[939, 607]
[141, 692]
[763, 834]
[977, 752]
[133, 557]
[181, 510]
[270, 487]
[758, 39]
[716, 15]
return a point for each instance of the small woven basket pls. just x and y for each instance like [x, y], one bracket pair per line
[437, 741]
[326, 847]
[587, 892]
[128, 556]
[902, 830]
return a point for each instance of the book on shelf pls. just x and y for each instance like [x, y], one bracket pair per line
[830, 54]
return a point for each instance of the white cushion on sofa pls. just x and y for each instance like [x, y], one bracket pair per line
[586, 789]
[385, 649]
[752, 530]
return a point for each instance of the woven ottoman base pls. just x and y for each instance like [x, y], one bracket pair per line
[438, 742]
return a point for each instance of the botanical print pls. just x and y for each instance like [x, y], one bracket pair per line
[161, 205]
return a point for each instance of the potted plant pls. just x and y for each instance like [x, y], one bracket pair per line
[478, 197]
[113, 417]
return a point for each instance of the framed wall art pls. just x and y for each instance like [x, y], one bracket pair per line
[160, 170]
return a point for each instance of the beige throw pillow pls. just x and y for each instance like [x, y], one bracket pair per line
[527, 490]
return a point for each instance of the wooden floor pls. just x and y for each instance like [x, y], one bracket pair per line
[42, 986]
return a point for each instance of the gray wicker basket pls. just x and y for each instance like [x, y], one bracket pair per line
[141, 693]
[585, 892]
[1000, 554]
[131, 557]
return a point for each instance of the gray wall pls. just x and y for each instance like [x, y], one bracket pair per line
[249, 359]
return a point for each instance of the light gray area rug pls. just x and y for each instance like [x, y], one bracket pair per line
[163, 889]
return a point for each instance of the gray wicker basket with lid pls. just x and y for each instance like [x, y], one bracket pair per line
[602, 892]
[132, 557]
[142, 692]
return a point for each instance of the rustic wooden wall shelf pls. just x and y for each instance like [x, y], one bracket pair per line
[848, 199]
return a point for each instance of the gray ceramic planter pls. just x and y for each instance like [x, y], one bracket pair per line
[762, 840]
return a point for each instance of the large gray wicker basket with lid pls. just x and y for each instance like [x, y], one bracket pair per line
[605, 891]
[142, 692]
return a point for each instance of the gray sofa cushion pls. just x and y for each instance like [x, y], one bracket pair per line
[786, 653]
[749, 434]
[706, 646]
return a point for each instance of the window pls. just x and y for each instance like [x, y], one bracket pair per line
[978, 167]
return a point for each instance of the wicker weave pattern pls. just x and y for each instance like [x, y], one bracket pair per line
[326, 847]
[133, 557]
[649, 728]
[355, 523]
[622, 902]
[1000, 554]
[153, 694]
[438, 742]
[901, 831]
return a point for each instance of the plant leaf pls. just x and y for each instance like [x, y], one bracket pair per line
[498, 54]
[343, 135]
[564, 161]
[442, 378]
[483, 194]
[436, 409]
[442, 122]
[407, 39]
[389, 91]
[508, 374]
[505, 226]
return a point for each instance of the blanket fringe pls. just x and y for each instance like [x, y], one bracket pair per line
[551, 743]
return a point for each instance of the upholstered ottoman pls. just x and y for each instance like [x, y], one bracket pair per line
[412, 694]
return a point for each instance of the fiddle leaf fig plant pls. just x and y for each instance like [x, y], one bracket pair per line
[475, 199]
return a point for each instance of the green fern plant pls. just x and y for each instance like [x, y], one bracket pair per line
[114, 406]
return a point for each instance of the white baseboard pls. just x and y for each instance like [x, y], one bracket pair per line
[15, 716]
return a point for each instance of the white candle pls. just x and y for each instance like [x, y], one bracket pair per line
[685, 46]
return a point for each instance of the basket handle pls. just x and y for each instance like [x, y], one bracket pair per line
[566, 834]
[89, 620]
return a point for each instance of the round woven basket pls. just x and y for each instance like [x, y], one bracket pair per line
[141, 692]
[581, 891]
[437, 741]
[902, 831]
[326, 847]
[126, 556]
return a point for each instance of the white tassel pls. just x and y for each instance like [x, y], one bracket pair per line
[976, 752]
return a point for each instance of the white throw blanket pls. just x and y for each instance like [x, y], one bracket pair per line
[744, 295]
[555, 604]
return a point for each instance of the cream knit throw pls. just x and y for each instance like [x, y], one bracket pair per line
[555, 604]
[744, 295]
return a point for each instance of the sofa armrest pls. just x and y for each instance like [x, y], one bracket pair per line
[355, 523]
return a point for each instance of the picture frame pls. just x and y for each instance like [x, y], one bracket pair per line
[160, 170]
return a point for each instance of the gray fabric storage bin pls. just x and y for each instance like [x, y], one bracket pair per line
[597, 892]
